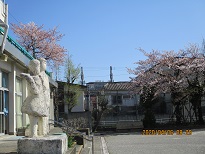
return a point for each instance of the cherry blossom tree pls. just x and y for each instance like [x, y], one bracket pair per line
[39, 42]
[147, 102]
[195, 71]
[159, 72]
[179, 73]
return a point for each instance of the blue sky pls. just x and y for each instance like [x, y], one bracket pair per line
[104, 33]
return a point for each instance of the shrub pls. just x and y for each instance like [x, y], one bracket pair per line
[70, 141]
[149, 120]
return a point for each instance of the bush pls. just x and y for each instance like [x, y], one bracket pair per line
[149, 120]
[70, 141]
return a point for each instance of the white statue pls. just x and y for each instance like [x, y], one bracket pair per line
[35, 105]
[46, 94]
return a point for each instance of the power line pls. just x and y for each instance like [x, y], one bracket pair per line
[13, 17]
[105, 75]
[103, 68]
[97, 76]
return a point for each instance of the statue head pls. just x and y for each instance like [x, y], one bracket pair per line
[43, 64]
[34, 66]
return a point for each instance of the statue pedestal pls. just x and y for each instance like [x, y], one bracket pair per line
[52, 144]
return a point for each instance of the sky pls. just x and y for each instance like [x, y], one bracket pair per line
[104, 33]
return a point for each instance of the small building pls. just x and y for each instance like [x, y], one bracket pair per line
[122, 99]
[81, 106]
[94, 90]
[120, 96]
[80, 113]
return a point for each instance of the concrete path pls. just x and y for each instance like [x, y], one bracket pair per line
[97, 145]
[8, 144]
[100, 146]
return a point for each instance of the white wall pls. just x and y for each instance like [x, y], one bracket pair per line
[80, 105]
[128, 102]
[125, 101]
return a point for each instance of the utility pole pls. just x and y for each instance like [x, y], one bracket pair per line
[68, 69]
[82, 76]
[111, 75]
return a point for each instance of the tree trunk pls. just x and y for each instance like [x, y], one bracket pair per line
[97, 122]
[196, 102]
[200, 115]
[178, 113]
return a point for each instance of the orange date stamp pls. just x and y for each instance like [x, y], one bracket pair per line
[166, 132]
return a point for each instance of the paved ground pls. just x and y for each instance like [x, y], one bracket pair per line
[8, 144]
[132, 143]
[98, 145]
[156, 144]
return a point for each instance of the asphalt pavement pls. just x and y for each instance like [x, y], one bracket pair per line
[131, 143]
[136, 143]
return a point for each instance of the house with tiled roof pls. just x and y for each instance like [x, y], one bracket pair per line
[120, 96]
[94, 90]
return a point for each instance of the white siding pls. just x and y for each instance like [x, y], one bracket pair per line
[80, 105]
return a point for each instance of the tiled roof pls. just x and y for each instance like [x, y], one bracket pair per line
[115, 86]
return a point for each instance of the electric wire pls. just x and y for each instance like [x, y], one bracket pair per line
[13, 17]
[92, 69]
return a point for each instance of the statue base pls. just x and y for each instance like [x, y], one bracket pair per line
[52, 144]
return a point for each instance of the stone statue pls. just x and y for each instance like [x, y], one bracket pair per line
[35, 105]
[46, 94]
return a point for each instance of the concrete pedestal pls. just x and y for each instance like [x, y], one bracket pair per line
[52, 144]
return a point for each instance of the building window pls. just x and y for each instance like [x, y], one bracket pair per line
[5, 80]
[19, 115]
[126, 96]
[4, 102]
[116, 100]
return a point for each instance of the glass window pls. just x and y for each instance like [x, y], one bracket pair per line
[1, 102]
[5, 80]
[1, 123]
[19, 115]
[126, 97]
[18, 104]
[6, 99]
[1, 113]
[18, 86]
[116, 100]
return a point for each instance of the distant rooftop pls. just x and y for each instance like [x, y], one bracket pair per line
[115, 86]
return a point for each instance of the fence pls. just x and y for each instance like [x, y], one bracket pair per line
[113, 124]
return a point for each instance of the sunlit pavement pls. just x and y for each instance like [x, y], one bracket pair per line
[8, 143]
[132, 143]
[136, 143]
